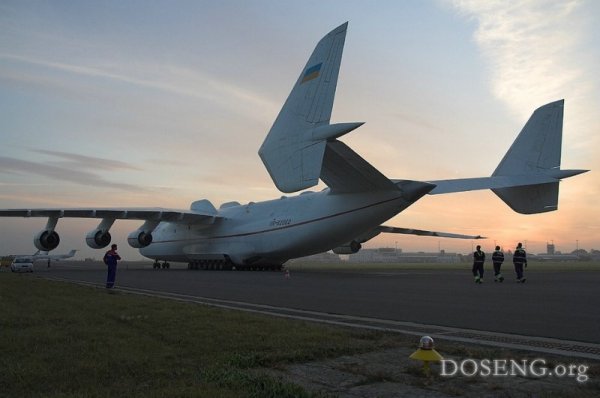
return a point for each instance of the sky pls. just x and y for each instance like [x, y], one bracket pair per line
[161, 103]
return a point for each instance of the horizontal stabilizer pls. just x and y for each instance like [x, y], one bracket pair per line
[345, 171]
[332, 131]
[497, 182]
[528, 176]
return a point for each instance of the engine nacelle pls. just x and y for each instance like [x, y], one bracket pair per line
[350, 248]
[97, 238]
[46, 240]
[138, 239]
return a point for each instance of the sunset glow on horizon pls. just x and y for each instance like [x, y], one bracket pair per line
[114, 104]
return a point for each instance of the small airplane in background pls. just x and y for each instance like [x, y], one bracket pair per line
[24, 262]
[44, 255]
[301, 148]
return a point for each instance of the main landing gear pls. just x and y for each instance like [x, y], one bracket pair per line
[158, 265]
[211, 264]
[227, 265]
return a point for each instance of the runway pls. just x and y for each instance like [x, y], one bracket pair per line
[558, 305]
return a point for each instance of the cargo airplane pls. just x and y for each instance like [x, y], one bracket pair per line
[301, 148]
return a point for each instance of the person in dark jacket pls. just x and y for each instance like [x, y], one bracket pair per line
[478, 260]
[520, 261]
[497, 260]
[110, 259]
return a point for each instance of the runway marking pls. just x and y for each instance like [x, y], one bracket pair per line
[545, 345]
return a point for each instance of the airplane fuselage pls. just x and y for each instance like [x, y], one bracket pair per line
[276, 230]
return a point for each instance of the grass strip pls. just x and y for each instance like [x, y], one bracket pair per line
[64, 340]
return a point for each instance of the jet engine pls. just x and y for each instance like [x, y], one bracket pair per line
[97, 238]
[349, 248]
[142, 236]
[100, 237]
[46, 240]
[138, 239]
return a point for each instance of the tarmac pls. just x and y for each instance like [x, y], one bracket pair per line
[561, 306]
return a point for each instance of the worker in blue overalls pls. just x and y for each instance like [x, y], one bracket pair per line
[110, 259]
[478, 260]
[497, 260]
[520, 261]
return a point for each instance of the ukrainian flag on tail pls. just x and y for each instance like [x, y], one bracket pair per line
[311, 73]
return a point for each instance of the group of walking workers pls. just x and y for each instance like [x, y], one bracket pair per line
[519, 261]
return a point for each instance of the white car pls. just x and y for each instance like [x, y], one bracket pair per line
[21, 265]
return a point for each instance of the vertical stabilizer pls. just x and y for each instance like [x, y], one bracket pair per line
[291, 155]
[537, 149]
[538, 146]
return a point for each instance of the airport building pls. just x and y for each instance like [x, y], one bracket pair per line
[327, 257]
[391, 255]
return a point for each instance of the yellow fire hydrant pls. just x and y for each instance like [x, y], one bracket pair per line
[426, 353]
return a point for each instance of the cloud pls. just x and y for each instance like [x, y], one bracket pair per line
[176, 80]
[70, 174]
[531, 47]
[87, 162]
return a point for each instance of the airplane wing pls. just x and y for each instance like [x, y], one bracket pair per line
[201, 212]
[355, 245]
[411, 231]
[147, 214]
[420, 232]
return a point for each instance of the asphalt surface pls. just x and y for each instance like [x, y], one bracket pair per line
[557, 304]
